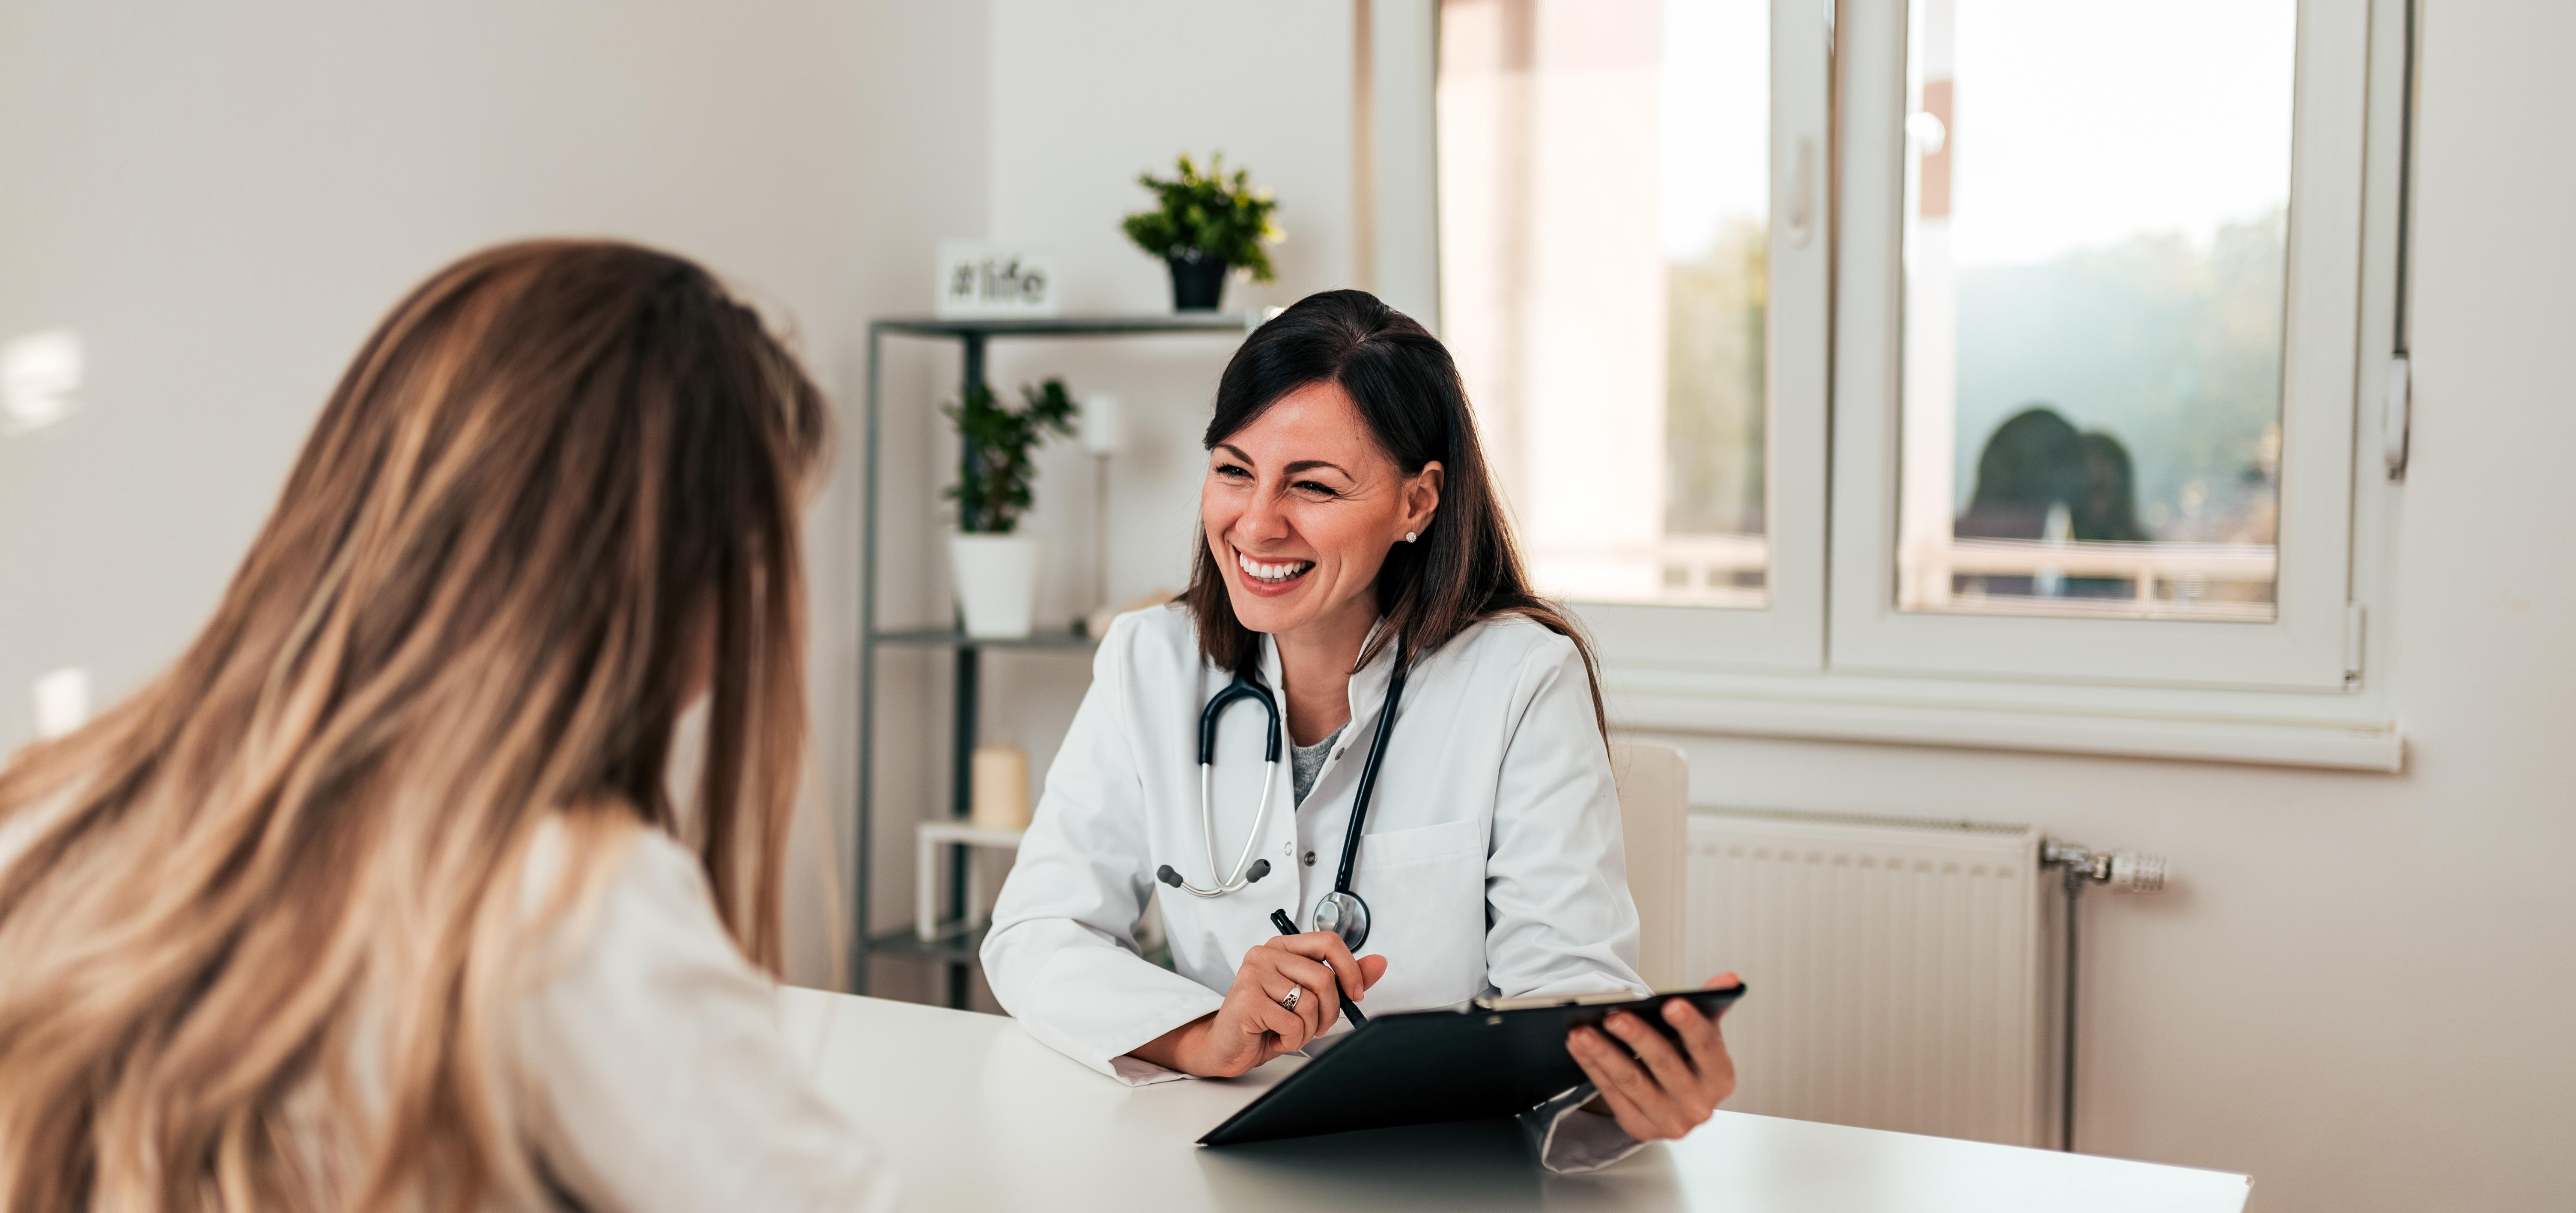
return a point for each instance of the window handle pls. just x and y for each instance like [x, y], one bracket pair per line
[1802, 197]
[2396, 414]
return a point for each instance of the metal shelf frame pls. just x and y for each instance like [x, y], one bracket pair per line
[955, 952]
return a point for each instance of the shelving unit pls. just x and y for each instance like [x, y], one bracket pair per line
[955, 947]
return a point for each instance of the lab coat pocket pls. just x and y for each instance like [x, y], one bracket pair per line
[1426, 893]
[1428, 842]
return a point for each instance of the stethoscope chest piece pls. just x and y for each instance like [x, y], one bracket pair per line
[1344, 914]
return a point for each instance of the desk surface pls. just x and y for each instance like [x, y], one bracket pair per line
[979, 1116]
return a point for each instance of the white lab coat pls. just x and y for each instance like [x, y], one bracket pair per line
[1491, 859]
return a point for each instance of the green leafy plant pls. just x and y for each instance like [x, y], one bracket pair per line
[1211, 215]
[995, 490]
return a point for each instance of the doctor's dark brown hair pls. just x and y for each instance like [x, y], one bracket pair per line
[1466, 567]
[556, 492]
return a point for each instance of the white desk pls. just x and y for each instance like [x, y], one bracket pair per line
[979, 1116]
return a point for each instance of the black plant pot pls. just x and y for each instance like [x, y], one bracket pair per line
[1198, 282]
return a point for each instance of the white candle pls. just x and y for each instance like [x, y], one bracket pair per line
[1100, 423]
[1001, 792]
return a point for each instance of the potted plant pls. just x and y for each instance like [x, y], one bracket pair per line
[1205, 227]
[996, 571]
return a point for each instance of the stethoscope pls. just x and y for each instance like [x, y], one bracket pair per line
[1341, 911]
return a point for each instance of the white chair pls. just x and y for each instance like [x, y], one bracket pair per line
[1654, 811]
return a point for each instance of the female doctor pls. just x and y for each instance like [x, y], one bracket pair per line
[1353, 563]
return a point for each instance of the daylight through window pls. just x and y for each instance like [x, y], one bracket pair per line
[2095, 250]
[1604, 226]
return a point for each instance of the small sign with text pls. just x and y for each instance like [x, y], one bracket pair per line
[980, 280]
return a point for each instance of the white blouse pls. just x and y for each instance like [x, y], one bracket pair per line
[664, 1080]
[661, 1081]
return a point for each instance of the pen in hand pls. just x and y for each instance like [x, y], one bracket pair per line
[1288, 926]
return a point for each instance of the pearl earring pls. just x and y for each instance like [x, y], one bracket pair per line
[1408, 536]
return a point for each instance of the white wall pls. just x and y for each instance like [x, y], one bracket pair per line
[223, 201]
[924, 124]
[1085, 97]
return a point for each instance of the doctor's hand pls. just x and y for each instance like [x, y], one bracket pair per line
[1655, 1090]
[1254, 1025]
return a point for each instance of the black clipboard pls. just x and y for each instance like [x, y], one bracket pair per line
[1477, 1062]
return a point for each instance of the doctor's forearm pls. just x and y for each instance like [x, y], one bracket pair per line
[1180, 1049]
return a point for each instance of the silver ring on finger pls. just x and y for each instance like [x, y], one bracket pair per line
[1294, 993]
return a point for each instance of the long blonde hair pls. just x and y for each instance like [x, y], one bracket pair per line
[559, 485]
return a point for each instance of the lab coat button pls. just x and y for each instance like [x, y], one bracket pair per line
[1310, 859]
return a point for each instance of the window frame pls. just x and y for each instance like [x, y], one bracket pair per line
[1813, 678]
[1787, 633]
[2303, 648]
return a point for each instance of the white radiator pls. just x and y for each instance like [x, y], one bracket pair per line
[1896, 969]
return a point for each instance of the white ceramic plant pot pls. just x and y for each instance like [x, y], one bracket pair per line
[997, 583]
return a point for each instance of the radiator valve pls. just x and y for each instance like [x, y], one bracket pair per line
[2135, 873]
[2124, 871]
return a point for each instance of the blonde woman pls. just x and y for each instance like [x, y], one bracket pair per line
[377, 898]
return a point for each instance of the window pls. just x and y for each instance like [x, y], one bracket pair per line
[1611, 282]
[2097, 201]
[1977, 356]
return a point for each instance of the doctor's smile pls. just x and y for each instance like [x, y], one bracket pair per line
[1268, 578]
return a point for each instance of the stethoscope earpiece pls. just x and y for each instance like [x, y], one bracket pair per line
[1260, 868]
[1246, 868]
